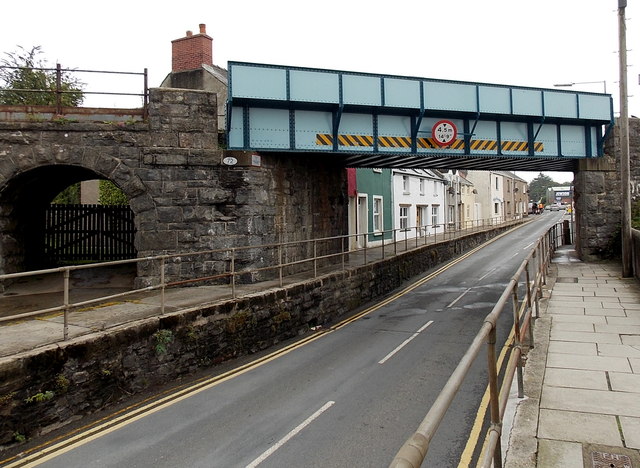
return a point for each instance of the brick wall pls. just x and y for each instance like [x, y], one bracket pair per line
[190, 52]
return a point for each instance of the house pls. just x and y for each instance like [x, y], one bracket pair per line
[501, 194]
[370, 206]
[418, 200]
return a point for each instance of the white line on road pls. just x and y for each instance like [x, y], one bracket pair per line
[458, 298]
[486, 274]
[527, 247]
[291, 434]
[405, 342]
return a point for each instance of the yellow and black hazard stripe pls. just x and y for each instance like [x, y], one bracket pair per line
[326, 139]
[521, 146]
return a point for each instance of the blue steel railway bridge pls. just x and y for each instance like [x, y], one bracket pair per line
[394, 121]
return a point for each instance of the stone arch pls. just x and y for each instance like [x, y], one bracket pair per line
[30, 181]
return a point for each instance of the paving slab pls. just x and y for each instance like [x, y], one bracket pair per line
[573, 347]
[554, 453]
[566, 309]
[623, 320]
[624, 382]
[581, 318]
[631, 431]
[591, 401]
[597, 363]
[574, 326]
[571, 426]
[587, 337]
[618, 350]
[619, 329]
[576, 378]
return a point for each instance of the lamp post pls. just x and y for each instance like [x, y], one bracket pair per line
[627, 267]
[568, 85]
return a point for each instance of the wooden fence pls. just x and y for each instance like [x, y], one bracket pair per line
[95, 233]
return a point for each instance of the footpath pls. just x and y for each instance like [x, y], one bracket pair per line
[582, 380]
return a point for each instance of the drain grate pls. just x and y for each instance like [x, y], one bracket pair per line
[610, 460]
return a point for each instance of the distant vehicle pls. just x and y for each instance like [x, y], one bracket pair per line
[556, 207]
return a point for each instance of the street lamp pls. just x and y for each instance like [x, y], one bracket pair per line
[568, 85]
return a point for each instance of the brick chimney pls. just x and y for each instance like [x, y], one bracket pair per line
[192, 51]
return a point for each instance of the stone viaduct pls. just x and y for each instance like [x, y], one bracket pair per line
[183, 197]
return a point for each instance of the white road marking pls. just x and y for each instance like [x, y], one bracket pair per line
[291, 434]
[405, 342]
[458, 298]
[527, 246]
[486, 274]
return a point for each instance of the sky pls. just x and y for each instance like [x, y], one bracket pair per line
[524, 43]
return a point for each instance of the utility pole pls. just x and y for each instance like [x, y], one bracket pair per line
[627, 266]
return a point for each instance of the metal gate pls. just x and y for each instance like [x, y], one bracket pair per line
[93, 233]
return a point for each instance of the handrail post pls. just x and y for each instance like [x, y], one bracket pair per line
[395, 242]
[58, 89]
[315, 258]
[494, 395]
[342, 248]
[364, 238]
[517, 337]
[145, 98]
[233, 273]
[529, 305]
[162, 285]
[383, 234]
[280, 263]
[65, 331]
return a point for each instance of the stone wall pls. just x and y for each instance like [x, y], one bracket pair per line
[183, 197]
[598, 197]
[48, 387]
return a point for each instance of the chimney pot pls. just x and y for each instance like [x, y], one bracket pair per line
[203, 29]
[189, 34]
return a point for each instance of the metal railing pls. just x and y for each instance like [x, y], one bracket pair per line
[325, 254]
[523, 294]
[58, 92]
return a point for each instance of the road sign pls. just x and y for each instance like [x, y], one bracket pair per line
[444, 132]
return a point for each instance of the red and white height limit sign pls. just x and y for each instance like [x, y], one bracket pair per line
[444, 132]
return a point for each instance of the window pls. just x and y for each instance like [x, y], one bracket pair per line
[495, 208]
[497, 186]
[405, 184]
[422, 184]
[377, 214]
[434, 214]
[404, 217]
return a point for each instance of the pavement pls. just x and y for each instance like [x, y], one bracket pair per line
[582, 379]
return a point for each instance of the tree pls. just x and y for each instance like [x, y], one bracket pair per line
[69, 196]
[110, 194]
[25, 70]
[538, 188]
